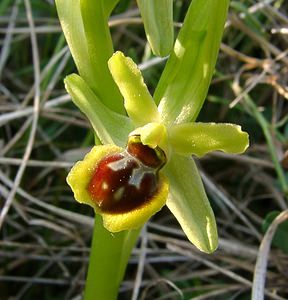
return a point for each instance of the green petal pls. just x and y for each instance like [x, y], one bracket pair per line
[184, 83]
[157, 17]
[201, 138]
[188, 202]
[110, 127]
[139, 104]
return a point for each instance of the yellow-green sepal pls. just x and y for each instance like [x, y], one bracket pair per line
[189, 204]
[157, 17]
[138, 102]
[110, 127]
[201, 138]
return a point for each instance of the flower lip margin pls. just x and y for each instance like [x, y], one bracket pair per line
[81, 173]
[136, 218]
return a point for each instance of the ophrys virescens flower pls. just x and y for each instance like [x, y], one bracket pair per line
[146, 160]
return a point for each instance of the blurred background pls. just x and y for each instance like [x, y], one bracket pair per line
[45, 234]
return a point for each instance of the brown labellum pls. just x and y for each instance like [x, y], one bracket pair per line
[154, 158]
[124, 181]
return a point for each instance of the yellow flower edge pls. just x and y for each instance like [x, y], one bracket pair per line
[138, 216]
[80, 176]
[82, 172]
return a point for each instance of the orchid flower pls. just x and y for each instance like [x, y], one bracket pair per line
[148, 144]
[146, 161]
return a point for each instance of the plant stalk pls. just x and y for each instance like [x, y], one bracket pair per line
[108, 260]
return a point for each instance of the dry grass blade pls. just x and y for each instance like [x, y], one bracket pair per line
[262, 258]
[141, 264]
[222, 270]
[29, 146]
[214, 190]
[7, 40]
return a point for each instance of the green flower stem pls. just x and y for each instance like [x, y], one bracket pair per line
[266, 131]
[108, 260]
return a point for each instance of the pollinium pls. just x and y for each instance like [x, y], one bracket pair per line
[128, 180]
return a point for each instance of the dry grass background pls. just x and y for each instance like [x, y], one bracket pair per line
[45, 234]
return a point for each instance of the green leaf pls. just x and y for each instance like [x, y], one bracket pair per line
[201, 138]
[280, 239]
[108, 260]
[90, 44]
[157, 17]
[188, 202]
[95, 16]
[108, 6]
[185, 81]
[138, 102]
[110, 127]
[72, 26]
